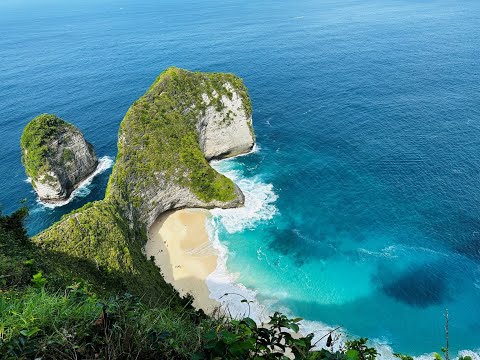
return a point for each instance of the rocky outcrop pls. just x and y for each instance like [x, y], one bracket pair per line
[174, 196]
[225, 130]
[56, 157]
[166, 138]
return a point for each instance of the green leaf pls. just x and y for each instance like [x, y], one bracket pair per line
[294, 327]
[352, 354]
[228, 338]
[242, 347]
[32, 331]
[28, 262]
[250, 323]
[211, 335]
[38, 280]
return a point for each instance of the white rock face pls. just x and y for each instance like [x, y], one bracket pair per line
[71, 159]
[227, 131]
[49, 188]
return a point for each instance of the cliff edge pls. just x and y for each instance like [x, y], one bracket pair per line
[56, 157]
[166, 138]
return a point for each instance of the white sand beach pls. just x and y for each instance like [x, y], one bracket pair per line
[179, 242]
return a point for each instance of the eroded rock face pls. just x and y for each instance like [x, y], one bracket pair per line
[56, 157]
[225, 130]
[173, 196]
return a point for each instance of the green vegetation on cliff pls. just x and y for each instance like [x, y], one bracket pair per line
[158, 136]
[34, 140]
[158, 144]
[56, 156]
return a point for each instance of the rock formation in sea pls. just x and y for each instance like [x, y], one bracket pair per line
[164, 142]
[56, 157]
[167, 136]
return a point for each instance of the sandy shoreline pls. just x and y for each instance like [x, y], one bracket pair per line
[179, 242]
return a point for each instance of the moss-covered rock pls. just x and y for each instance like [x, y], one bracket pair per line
[56, 157]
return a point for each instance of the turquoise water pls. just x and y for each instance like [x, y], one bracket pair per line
[364, 194]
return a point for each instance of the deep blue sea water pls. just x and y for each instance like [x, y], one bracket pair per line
[364, 196]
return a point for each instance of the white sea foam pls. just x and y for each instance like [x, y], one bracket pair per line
[222, 282]
[382, 346]
[475, 355]
[259, 206]
[104, 163]
[259, 202]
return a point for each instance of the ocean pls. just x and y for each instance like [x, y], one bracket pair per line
[363, 194]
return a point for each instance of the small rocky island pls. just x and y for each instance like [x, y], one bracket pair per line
[56, 157]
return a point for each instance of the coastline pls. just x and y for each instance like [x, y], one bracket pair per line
[184, 252]
[104, 163]
[179, 242]
[187, 239]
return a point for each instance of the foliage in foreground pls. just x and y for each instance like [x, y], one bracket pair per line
[278, 339]
[76, 323]
[40, 317]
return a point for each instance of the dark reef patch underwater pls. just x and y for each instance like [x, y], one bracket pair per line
[364, 196]
[421, 287]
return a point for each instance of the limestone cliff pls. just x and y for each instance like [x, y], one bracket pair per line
[167, 136]
[164, 142]
[226, 129]
[56, 157]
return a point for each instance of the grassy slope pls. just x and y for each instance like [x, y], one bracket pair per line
[55, 317]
